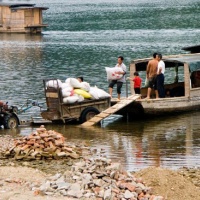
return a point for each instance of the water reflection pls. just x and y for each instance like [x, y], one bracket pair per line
[170, 142]
[21, 62]
[72, 47]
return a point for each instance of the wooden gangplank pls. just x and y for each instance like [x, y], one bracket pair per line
[111, 110]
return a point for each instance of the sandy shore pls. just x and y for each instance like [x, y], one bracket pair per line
[19, 178]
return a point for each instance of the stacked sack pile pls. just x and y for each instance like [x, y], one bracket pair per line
[75, 91]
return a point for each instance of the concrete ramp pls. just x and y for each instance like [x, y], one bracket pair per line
[111, 110]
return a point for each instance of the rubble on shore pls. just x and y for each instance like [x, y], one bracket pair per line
[97, 179]
[90, 178]
[89, 175]
[40, 145]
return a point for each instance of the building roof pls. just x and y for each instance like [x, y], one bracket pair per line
[22, 6]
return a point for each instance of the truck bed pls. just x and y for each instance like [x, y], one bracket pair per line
[59, 111]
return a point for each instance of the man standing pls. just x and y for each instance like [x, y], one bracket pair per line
[120, 81]
[160, 76]
[151, 74]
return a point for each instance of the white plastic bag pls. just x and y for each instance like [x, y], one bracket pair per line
[73, 82]
[66, 89]
[80, 97]
[146, 84]
[66, 92]
[70, 99]
[94, 93]
[85, 86]
[54, 83]
[101, 93]
[66, 85]
[112, 73]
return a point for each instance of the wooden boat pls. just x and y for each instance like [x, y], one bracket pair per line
[182, 81]
[21, 18]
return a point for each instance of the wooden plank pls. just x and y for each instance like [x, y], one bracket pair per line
[109, 110]
[124, 102]
[52, 95]
[118, 106]
[88, 123]
[103, 115]
[134, 97]
[121, 104]
[96, 119]
[115, 100]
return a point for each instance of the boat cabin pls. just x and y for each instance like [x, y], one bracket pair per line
[21, 18]
[182, 87]
[182, 75]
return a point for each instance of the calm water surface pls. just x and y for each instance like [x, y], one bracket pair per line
[83, 38]
[170, 142]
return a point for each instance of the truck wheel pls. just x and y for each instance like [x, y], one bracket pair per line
[88, 113]
[10, 121]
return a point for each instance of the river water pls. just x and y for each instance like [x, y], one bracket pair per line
[84, 37]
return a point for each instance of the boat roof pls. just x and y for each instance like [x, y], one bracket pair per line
[22, 6]
[192, 49]
[192, 59]
[184, 58]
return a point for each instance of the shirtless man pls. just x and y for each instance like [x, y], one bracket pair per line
[151, 73]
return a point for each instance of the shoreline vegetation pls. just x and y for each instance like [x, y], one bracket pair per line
[74, 171]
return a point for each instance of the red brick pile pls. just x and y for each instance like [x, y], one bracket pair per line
[41, 145]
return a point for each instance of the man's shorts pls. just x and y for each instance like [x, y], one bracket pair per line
[152, 83]
[119, 85]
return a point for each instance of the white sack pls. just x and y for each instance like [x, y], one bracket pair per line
[111, 73]
[101, 93]
[80, 97]
[73, 82]
[94, 93]
[85, 86]
[70, 99]
[54, 83]
[66, 85]
[146, 82]
[68, 91]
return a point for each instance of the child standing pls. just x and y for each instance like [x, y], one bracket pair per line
[137, 82]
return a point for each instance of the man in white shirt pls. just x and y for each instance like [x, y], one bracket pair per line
[120, 81]
[160, 77]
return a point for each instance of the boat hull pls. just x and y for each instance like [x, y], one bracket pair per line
[161, 106]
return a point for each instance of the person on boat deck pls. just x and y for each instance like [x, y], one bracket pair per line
[137, 82]
[151, 74]
[167, 92]
[160, 76]
[80, 79]
[120, 81]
